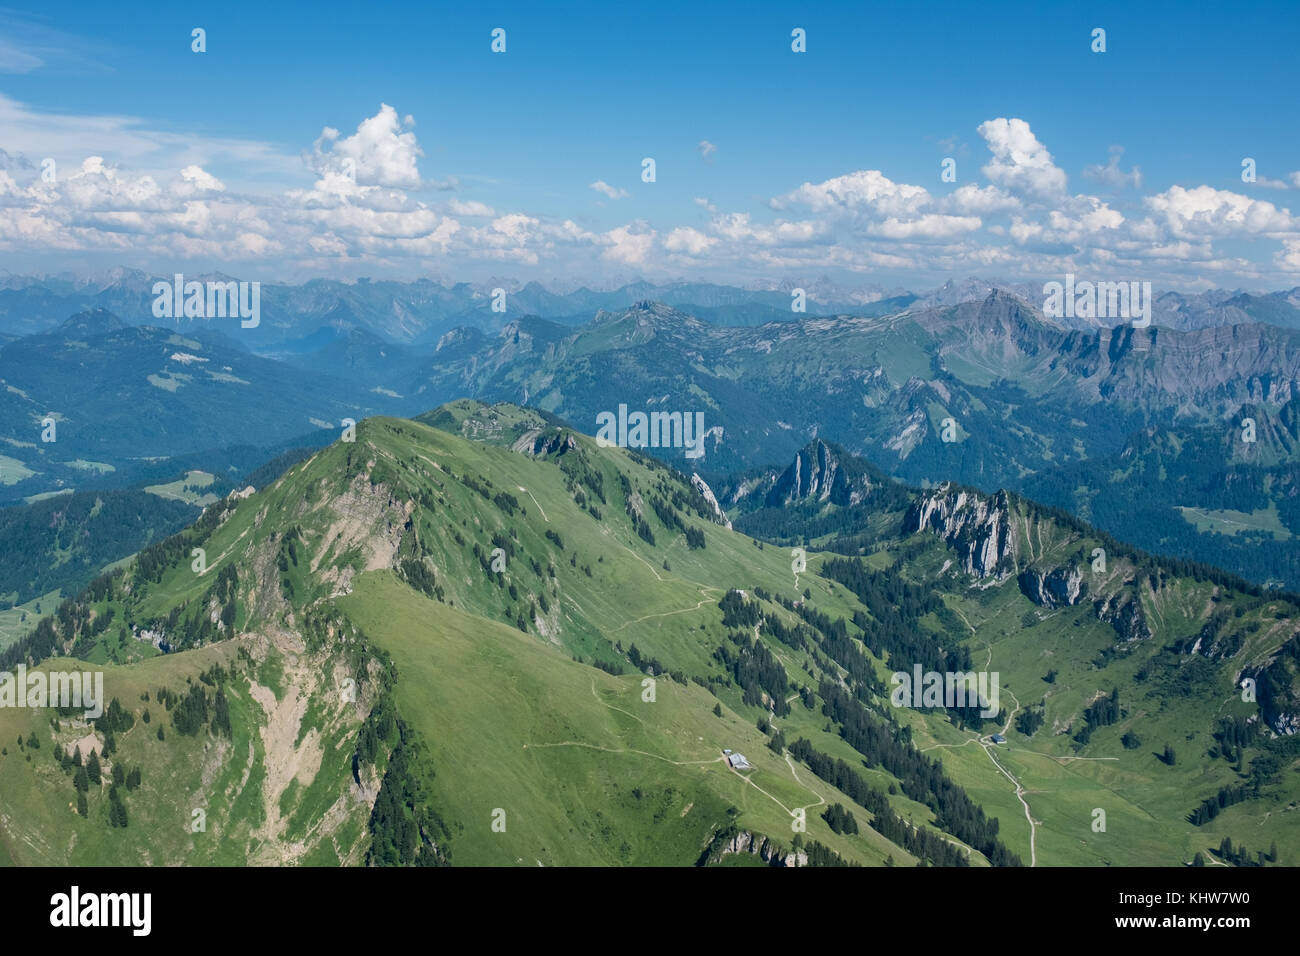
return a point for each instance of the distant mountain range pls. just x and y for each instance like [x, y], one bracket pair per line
[1142, 431]
[413, 313]
[417, 313]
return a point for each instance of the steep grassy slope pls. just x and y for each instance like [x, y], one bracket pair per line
[493, 642]
[585, 768]
[342, 526]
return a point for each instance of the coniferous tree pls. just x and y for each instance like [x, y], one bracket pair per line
[221, 714]
[116, 809]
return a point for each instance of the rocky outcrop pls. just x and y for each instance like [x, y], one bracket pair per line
[1278, 690]
[817, 475]
[1060, 587]
[978, 528]
[1123, 611]
[746, 842]
[822, 473]
[542, 443]
[719, 516]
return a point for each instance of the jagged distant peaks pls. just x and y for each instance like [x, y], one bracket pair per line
[821, 473]
[818, 474]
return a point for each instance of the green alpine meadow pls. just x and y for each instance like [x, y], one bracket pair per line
[480, 637]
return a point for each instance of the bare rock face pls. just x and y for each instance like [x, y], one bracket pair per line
[719, 516]
[1279, 693]
[978, 528]
[1060, 587]
[761, 846]
[821, 473]
[540, 443]
[1123, 611]
[817, 475]
[1286, 723]
[812, 475]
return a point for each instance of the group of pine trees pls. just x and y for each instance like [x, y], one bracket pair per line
[417, 573]
[672, 519]
[839, 819]
[192, 710]
[1233, 735]
[1029, 720]
[483, 485]
[90, 772]
[404, 828]
[919, 841]
[882, 742]
[578, 471]
[890, 747]
[894, 629]
[1102, 712]
[1226, 797]
[756, 670]
[1240, 856]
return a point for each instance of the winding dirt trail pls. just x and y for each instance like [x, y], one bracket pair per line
[684, 610]
[684, 763]
[605, 530]
[628, 750]
[987, 745]
[535, 501]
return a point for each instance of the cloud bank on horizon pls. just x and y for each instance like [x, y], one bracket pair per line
[367, 198]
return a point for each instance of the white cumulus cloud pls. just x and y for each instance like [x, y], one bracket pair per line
[1020, 163]
[382, 152]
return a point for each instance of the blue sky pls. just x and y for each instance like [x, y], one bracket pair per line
[770, 164]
